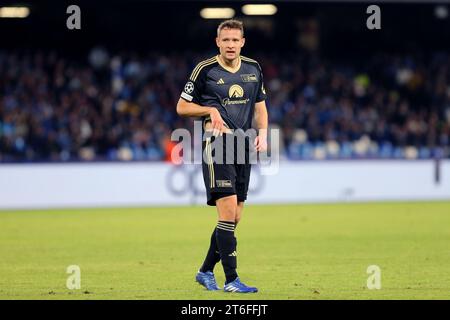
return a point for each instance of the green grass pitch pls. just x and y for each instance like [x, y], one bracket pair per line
[287, 251]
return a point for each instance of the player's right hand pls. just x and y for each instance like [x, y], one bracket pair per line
[216, 122]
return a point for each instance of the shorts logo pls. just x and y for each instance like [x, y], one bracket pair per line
[189, 87]
[249, 78]
[223, 183]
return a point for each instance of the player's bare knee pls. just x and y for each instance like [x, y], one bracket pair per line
[227, 215]
[227, 208]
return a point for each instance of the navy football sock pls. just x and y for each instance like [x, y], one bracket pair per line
[213, 255]
[227, 243]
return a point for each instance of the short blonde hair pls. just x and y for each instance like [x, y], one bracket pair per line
[231, 24]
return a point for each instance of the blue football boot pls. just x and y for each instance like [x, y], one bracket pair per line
[207, 280]
[238, 287]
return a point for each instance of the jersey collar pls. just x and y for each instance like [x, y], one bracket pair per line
[232, 70]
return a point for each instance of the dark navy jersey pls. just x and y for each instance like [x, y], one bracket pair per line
[233, 94]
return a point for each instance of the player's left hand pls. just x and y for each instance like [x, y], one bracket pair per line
[260, 144]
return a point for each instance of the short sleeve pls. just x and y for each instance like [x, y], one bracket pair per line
[194, 86]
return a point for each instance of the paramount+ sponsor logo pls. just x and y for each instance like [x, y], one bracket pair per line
[235, 93]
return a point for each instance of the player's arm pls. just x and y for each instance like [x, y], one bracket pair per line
[191, 109]
[261, 122]
[261, 116]
[188, 104]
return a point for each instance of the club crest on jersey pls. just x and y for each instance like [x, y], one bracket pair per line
[249, 78]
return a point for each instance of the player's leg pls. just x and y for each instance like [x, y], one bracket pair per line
[227, 208]
[205, 276]
[226, 240]
[219, 181]
[242, 175]
[227, 243]
[222, 244]
[213, 254]
[238, 201]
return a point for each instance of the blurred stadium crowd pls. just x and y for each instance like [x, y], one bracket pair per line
[122, 106]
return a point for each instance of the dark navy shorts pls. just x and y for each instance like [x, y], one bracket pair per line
[228, 172]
